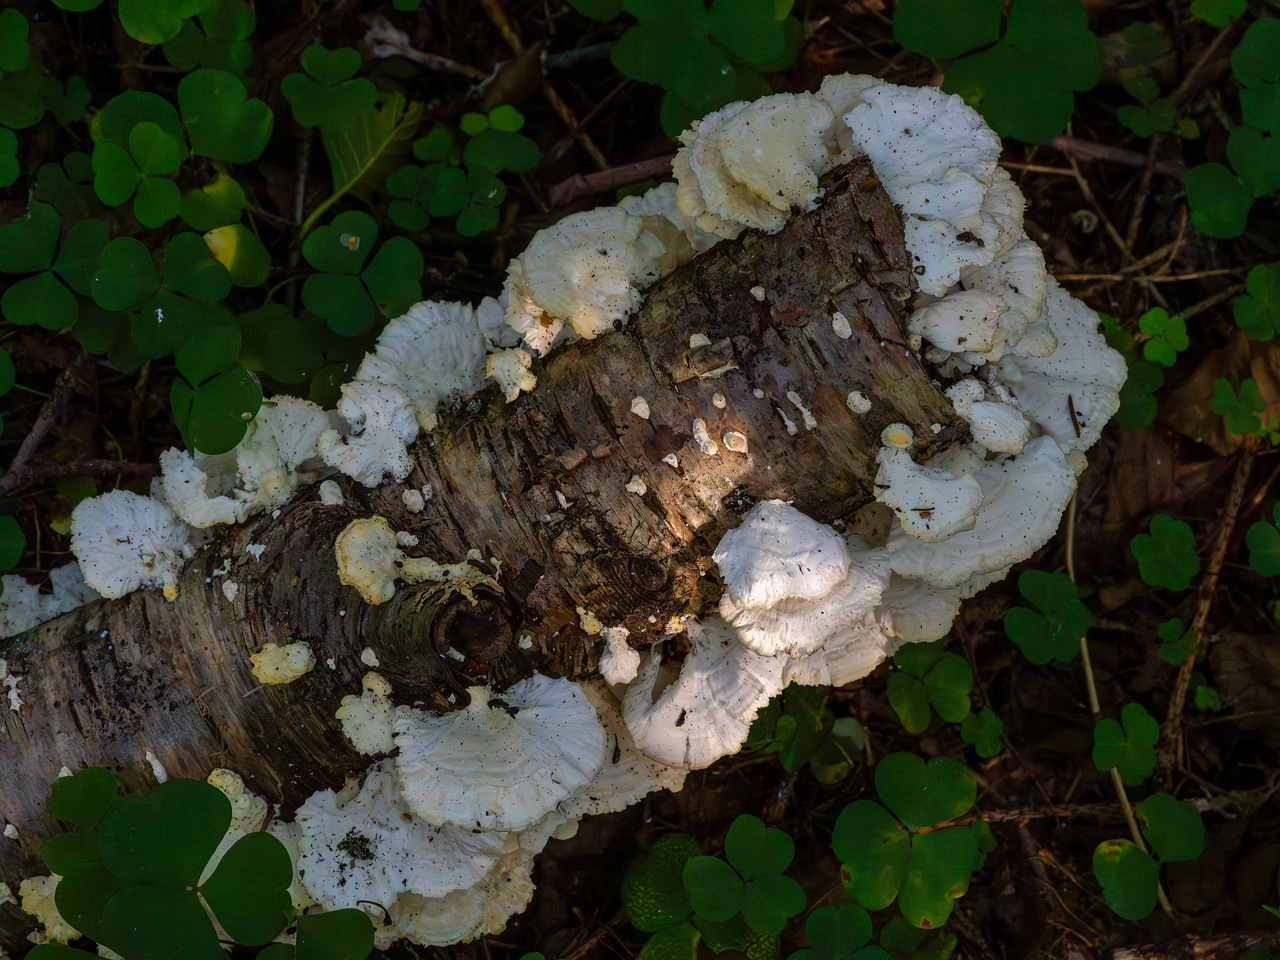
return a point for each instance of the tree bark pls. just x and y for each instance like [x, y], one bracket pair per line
[539, 488]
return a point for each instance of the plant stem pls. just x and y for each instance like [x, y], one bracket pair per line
[1096, 708]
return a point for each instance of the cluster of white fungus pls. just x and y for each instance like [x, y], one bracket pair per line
[442, 835]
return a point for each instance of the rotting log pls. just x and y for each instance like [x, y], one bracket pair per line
[539, 488]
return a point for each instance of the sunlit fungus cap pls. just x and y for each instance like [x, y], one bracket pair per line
[500, 767]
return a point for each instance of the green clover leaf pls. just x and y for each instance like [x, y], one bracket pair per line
[167, 836]
[21, 105]
[12, 542]
[42, 298]
[929, 676]
[327, 98]
[1241, 411]
[9, 167]
[875, 849]
[1256, 58]
[1263, 541]
[905, 942]
[1054, 631]
[1258, 314]
[1023, 85]
[1254, 157]
[246, 258]
[151, 156]
[839, 753]
[156, 21]
[1167, 555]
[1217, 12]
[1174, 828]
[67, 105]
[343, 245]
[1219, 200]
[392, 278]
[755, 850]
[126, 111]
[1178, 642]
[8, 378]
[213, 416]
[190, 269]
[1260, 106]
[217, 204]
[1129, 748]
[839, 933]
[335, 935]
[1168, 336]
[249, 890]
[1144, 120]
[984, 731]
[84, 797]
[653, 891]
[222, 121]
[921, 794]
[943, 30]
[1137, 404]
[715, 889]
[938, 872]
[598, 9]
[219, 40]
[14, 52]
[1129, 878]
[67, 186]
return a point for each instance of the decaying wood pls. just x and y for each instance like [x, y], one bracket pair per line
[539, 488]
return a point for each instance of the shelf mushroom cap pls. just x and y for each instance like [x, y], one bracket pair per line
[436, 354]
[1022, 502]
[778, 553]
[280, 440]
[125, 541]
[705, 712]
[383, 422]
[185, 489]
[484, 768]
[372, 848]
[627, 775]
[366, 719]
[1075, 390]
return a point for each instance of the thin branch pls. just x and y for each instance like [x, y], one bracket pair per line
[1077, 149]
[584, 185]
[49, 414]
[92, 468]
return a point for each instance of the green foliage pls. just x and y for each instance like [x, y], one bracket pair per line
[219, 40]
[1168, 336]
[1052, 631]
[1217, 12]
[326, 96]
[798, 727]
[462, 181]
[1129, 878]
[12, 542]
[30, 246]
[1220, 199]
[905, 942]
[14, 51]
[346, 292]
[703, 57]
[1128, 744]
[1241, 410]
[839, 933]
[1023, 82]
[924, 871]
[653, 890]
[1167, 555]
[149, 21]
[927, 675]
[984, 730]
[1177, 643]
[221, 120]
[1258, 313]
[1137, 401]
[750, 882]
[131, 875]
[1263, 540]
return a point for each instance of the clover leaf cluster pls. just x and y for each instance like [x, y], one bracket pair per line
[704, 57]
[131, 878]
[462, 178]
[1023, 78]
[800, 729]
[1220, 197]
[1129, 875]
[897, 850]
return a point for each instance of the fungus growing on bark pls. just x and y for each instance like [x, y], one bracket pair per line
[282, 664]
[370, 559]
[124, 541]
[502, 766]
[366, 719]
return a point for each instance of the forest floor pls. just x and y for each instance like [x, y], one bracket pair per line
[1108, 208]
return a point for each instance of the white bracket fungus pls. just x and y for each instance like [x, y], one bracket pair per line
[484, 768]
[366, 719]
[370, 559]
[620, 661]
[124, 541]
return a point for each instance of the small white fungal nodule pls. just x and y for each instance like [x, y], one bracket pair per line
[858, 402]
[735, 441]
[640, 407]
[637, 485]
[719, 401]
[840, 324]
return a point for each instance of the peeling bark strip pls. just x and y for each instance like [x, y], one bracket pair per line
[111, 681]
